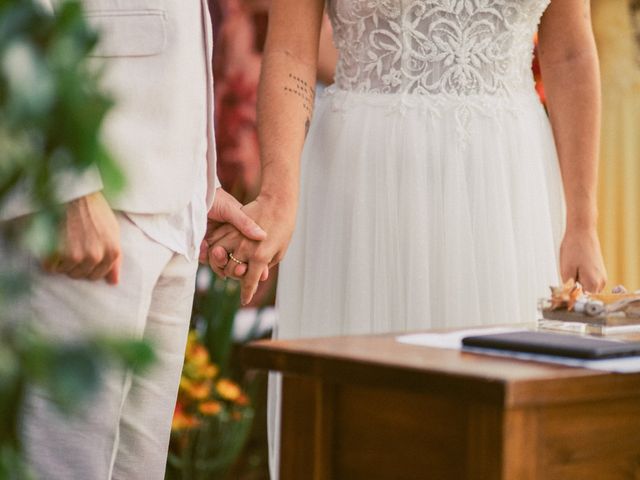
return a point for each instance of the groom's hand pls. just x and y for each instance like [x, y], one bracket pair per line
[227, 210]
[277, 215]
[90, 243]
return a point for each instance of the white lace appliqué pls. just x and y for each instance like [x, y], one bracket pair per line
[451, 47]
[467, 55]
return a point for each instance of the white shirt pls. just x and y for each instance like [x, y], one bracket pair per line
[183, 231]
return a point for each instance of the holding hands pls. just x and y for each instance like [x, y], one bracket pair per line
[90, 241]
[237, 249]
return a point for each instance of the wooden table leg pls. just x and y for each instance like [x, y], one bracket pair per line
[307, 422]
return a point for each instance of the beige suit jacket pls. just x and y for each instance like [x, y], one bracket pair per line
[157, 128]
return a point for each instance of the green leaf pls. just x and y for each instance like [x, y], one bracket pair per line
[133, 354]
[41, 235]
[72, 376]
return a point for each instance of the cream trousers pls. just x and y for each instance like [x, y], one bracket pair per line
[123, 433]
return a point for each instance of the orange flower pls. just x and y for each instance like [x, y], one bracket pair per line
[200, 391]
[210, 408]
[197, 362]
[228, 390]
[199, 371]
[199, 356]
[195, 390]
[182, 420]
[242, 400]
[210, 371]
[185, 384]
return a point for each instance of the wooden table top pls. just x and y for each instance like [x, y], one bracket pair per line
[379, 360]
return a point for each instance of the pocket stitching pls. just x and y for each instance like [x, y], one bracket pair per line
[160, 13]
[126, 13]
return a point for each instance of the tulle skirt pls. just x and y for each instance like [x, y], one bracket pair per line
[420, 212]
[420, 215]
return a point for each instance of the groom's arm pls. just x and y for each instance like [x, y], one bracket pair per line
[90, 241]
[90, 244]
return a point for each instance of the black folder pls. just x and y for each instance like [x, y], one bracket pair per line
[558, 344]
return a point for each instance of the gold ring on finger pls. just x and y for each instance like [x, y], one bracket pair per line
[234, 259]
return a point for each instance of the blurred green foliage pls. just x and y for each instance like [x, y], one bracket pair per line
[212, 446]
[51, 107]
[214, 312]
[51, 113]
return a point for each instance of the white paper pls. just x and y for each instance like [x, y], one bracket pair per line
[453, 340]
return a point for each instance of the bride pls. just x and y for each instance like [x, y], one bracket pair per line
[432, 185]
[430, 191]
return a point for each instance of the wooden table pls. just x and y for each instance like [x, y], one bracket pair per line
[368, 408]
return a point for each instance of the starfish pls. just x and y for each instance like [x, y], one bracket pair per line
[566, 295]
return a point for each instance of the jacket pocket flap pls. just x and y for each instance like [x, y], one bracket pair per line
[129, 34]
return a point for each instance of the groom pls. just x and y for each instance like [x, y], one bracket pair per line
[127, 267]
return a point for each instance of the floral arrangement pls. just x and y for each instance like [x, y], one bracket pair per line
[202, 393]
[214, 415]
[51, 113]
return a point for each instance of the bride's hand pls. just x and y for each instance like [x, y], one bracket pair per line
[277, 218]
[221, 240]
[581, 259]
[225, 218]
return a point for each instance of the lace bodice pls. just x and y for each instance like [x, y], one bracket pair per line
[452, 47]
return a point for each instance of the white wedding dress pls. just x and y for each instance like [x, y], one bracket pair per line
[430, 190]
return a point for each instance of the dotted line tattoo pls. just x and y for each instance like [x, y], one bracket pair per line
[299, 87]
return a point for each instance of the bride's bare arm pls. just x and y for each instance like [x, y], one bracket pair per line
[285, 108]
[570, 72]
[286, 94]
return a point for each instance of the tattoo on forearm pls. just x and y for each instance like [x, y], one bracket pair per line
[299, 87]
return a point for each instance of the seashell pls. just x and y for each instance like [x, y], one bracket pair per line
[594, 308]
[618, 289]
[623, 304]
[574, 295]
[632, 310]
[566, 295]
[609, 298]
[581, 304]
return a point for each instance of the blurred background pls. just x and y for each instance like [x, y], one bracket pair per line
[241, 29]
[219, 425]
